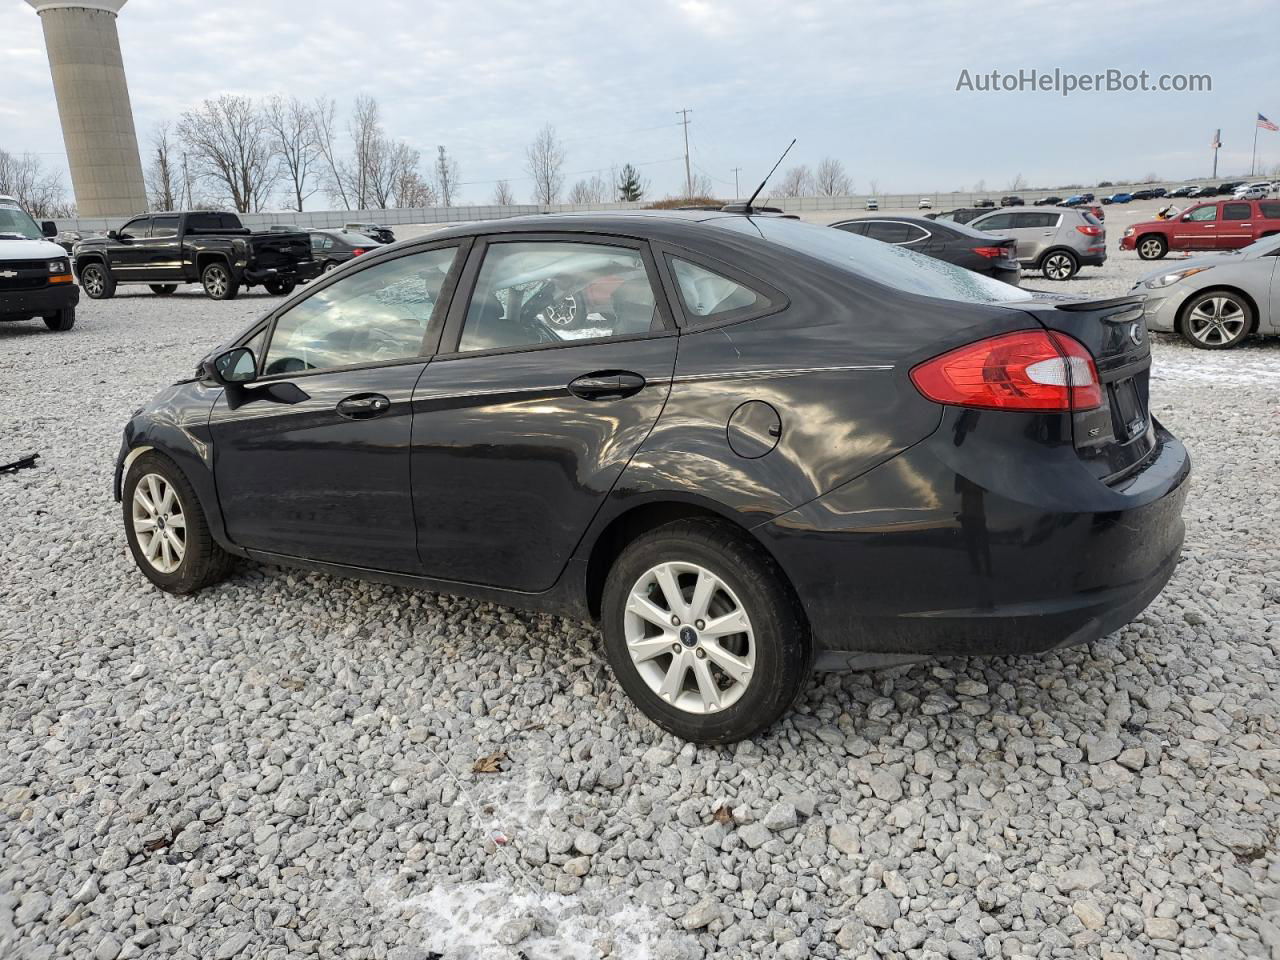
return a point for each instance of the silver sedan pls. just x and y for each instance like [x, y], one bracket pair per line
[1217, 300]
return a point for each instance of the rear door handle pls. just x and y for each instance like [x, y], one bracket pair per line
[363, 406]
[607, 385]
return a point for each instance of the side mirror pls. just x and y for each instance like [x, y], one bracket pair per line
[113, 234]
[49, 228]
[233, 367]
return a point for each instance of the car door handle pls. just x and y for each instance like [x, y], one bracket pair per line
[607, 385]
[362, 406]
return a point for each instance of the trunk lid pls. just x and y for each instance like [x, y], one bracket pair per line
[280, 249]
[1118, 438]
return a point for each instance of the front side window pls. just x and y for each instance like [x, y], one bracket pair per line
[370, 316]
[135, 229]
[1203, 214]
[709, 296]
[555, 291]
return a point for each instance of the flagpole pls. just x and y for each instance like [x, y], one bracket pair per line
[1254, 162]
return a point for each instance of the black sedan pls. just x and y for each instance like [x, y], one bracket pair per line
[333, 248]
[944, 240]
[1046, 201]
[768, 447]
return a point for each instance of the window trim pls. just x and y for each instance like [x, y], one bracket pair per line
[777, 301]
[145, 220]
[452, 328]
[435, 323]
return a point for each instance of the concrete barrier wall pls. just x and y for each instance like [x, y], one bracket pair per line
[810, 208]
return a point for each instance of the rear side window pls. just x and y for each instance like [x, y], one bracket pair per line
[1001, 221]
[856, 226]
[164, 226]
[1236, 211]
[1270, 209]
[709, 296]
[887, 231]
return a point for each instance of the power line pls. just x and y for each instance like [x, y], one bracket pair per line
[736, 192]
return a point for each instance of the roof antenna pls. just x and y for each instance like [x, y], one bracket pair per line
[747, 208]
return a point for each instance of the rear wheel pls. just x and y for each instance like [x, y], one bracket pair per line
[64, 319]
[1216, 320]
[96, 281]
[166, 528]
[1059, 265]
[218, 282]
[703, 633]
[280, 288]
[330, 266]
[163, 289]
[1152, 247]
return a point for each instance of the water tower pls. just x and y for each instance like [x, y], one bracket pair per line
[93, 105]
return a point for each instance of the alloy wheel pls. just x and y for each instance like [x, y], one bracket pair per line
[92, 280]
[1058, 266]
[1217, 320]
[159, 523]
[215, 282]
[1150, 249]
[690, 637]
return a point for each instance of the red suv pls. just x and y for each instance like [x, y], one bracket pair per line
[1217, 225]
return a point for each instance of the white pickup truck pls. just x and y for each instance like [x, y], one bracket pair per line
[35, 273]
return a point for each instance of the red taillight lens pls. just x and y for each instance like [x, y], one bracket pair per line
[991, 252]
[1089, 231]
[1030, 370]
[357, 251]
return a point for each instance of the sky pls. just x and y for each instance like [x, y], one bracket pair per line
[872, 84]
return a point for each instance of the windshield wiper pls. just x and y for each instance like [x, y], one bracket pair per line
[9, 234]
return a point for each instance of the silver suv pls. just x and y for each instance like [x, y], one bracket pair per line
[1056, 242]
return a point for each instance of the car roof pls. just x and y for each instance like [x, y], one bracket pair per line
[639, 223]
[922, 222]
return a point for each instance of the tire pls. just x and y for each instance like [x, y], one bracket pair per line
[1152, 246]
[97, 282]
[1216, 320]
[330, 266]
[188, 563]
[163, 289]
[61, 321]
[218, 281]
[1059, 265]
[280, 288]
[774, 651]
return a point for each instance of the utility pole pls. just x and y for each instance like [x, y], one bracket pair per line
[1217, 143]
[736, 192]
[688, 173]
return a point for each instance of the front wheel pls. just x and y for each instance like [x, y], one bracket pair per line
[218, 282]
[1216, 320]
[96, 281]
[63, 320]
[166, 528]
[1060, 265]
[703, 632]
[280, 288]
[1152, 247]
[330, 266]
[163, 289]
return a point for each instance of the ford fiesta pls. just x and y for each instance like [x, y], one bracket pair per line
[747, 446]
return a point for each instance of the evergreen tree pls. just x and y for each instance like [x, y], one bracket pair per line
[630, 186]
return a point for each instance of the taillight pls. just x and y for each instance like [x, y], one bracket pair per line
[1089, 231]
[991, 252]
[357, 251]
[1038, 370]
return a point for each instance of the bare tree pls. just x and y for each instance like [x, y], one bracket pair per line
[592, 191]
[796, 182]
[229, 140]
[980, 187]
[1151, 178]
[874, 186]
[831, 180]
[447, 177]
[702, 187]
[39, 191]
[365, 130]
[544, 160]
[503, 195]
[293, 134]
[1019, 182]
[324, 117]
[413, 190]
[163, 176]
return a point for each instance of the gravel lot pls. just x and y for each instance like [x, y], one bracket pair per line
[282, 766]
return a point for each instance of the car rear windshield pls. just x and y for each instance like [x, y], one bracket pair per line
[878, 262]
[1091, 219]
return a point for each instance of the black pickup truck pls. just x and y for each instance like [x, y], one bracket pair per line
[212, 249]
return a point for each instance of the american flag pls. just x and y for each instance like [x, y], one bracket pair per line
[1217, 139]
[1266, 124]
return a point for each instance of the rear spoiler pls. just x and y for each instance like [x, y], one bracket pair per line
[1123, 309]
[1132, 299]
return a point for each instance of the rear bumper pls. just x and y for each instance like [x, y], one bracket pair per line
[1093, 258]
[943, 552]
[306, 270]
[24, 304]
